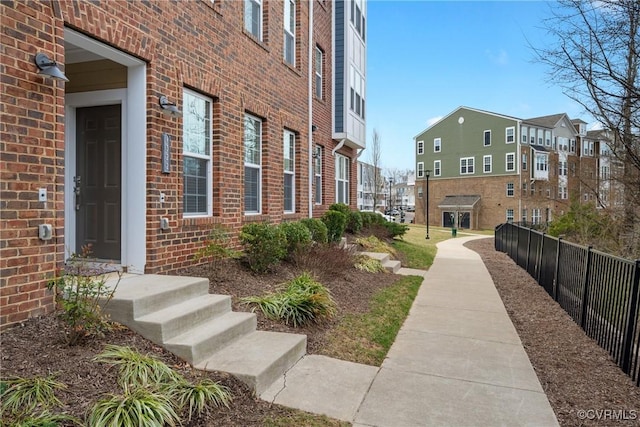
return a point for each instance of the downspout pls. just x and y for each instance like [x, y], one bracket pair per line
[310, 97]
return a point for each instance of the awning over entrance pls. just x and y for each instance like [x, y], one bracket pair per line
[466, 202]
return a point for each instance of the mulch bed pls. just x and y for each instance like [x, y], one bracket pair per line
[582, 382]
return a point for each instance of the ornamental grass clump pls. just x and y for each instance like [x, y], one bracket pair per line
[368, 264]
[154, 394]
[303, 300]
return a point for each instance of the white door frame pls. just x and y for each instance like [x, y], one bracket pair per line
[134, 138]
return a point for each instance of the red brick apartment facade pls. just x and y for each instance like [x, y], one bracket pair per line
[163, 181]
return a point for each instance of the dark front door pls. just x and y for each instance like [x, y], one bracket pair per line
[98, 181]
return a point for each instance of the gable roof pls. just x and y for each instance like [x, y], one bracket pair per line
[546, 121]
[459, 201]
[470, 109]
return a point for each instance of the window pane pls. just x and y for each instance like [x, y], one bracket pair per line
[195, 185]
[251, 189]
[288, 192]
[252, 136]
[197, 124]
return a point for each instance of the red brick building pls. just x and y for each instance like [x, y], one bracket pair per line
[176, 117]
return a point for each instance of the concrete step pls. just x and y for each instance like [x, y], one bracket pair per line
[137, 296]
[380, 256]
[163, 325]
[200, 342]
[258, 359]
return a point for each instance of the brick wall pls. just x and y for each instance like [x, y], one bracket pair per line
[194, 44]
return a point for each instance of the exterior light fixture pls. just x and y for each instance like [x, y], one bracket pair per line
[49, 67]
[168, 107]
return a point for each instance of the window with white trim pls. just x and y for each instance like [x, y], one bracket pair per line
[437, 168]
[510, 189]
[486, 162]
[319, 65]
[562, 192]
[196, 153]
[535, 216]
[289, 151]
[252, 164]
[466, 165]
[420, 149]
[357, 17]
[562, 168]
[510, 162]
[509, 215]
[290, 32]
[342, 179]
[524, 135]
[357, 92]
[510, 135]
[524, 215]
[487, 138]
[420, 169]
[542, 162]
[524, 161]
[253, 18]
[437, 145]
[317, 172]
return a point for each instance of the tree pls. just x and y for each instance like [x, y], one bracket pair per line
[373, 177]
[595, 60]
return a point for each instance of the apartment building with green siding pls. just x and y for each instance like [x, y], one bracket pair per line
[486, 168]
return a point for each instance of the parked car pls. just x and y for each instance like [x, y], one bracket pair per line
[411, 208]
[392, 212]
[387, 217]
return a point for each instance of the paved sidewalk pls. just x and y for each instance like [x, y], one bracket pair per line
[457, 361]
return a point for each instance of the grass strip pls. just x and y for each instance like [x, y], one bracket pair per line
[366, 338]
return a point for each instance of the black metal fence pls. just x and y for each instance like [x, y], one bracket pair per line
[599, 291]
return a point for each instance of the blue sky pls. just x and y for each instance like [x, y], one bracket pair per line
[426, 58]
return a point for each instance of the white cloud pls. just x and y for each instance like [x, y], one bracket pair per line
[499, 58]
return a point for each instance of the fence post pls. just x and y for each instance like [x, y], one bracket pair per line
[585, 288]
[632, 318]
[557, 270]
[528, 248]
[518, 245]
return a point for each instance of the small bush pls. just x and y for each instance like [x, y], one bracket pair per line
[336, 223]
[216, 248]
[354, 222]
[371, 218]
[326, 262]
[340, 207]
[302, 301]
[83, 293]
[369, 264]
[298, 236]
[196, 398]
[318, 229]
[374, 244]
[395, 229]
[265, 245]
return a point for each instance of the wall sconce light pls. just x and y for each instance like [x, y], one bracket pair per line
[49, 67]
[314, 128]
[169, 108]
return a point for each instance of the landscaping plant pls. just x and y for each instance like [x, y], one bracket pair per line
[336, 223]
[302, 300]
[368, 264]
[265, 245]
[354, 222]
[82, 292]
[139, 407]
[298, 236]
[318, 229]
[216, 248]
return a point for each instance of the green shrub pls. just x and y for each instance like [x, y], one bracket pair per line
[297, 234]
[395, 229]
[371, 218]
[318, 229]
[216, 248]
[302, 301]
[196, 398]
[265, 245]
[340, 207]
[336, 223]
[354, 222]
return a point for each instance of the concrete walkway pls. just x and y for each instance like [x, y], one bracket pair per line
[457, 361]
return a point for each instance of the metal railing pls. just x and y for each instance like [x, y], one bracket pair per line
[599, 291]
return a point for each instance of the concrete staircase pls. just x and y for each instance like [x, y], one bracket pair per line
[389, 264]
[179, 314]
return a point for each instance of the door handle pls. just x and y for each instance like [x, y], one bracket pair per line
[76, 191]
